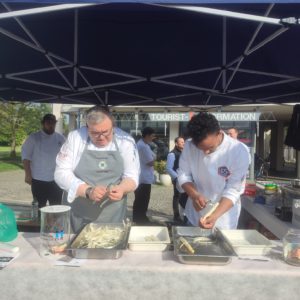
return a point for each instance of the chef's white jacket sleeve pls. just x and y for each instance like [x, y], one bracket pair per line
[235, 184]
[184, 171]
[66, 162]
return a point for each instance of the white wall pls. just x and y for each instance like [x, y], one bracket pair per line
[56, 110]
[174, 130]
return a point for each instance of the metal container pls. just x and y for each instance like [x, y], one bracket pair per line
[288, 195]
[79, 248]
[296, 213]
[296, 183]
[209, 246]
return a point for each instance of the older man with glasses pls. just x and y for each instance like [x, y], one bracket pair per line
[97, 167]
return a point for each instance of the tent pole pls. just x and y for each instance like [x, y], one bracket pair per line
[232, 14]
[260, 25]
[298, 164]
[75, 48]
[224, 52]
[40, 10]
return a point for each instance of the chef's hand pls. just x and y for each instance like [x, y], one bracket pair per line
[199, 201]
[115, 192]
[208, 222]
[98, 193]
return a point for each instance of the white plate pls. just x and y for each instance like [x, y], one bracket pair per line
[148, 238]
[248, 242]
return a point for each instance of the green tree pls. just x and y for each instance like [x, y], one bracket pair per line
[17, 120]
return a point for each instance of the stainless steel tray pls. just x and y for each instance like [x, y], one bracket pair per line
[22, 210]
[210, 247]
[113, 252]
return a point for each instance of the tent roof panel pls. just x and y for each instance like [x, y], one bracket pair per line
[148, 52]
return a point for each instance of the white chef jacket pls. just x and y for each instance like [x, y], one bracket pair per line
[70, 154]
[41, 149]
[221, 173]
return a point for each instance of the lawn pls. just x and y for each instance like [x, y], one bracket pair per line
[8, 164]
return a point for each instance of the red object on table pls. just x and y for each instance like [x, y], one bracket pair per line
[250, 189]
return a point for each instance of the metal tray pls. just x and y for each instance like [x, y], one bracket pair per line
[210, 247]
[113, 252]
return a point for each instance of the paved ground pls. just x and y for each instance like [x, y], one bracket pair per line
[13, 189]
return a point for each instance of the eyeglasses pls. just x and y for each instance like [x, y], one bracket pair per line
[105, 133]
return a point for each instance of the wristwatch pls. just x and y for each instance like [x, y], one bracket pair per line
[88, 191]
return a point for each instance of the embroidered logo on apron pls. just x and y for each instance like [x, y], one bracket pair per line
[224, 172]
[102, 165]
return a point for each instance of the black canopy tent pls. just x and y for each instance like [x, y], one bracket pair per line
[150, 53]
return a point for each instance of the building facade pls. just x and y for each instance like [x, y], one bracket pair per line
[262, 128]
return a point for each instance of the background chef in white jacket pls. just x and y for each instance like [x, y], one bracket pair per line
[97, 167]
[212, 167]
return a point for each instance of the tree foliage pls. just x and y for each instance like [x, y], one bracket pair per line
[160, 166]
[17, 120]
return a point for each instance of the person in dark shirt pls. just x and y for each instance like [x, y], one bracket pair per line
[171, 168]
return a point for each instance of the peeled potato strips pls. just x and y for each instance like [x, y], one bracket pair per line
[203, 240]
[105, 237]
[186, 245]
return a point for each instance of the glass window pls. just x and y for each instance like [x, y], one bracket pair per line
[127, 122]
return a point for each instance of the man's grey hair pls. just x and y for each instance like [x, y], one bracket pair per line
[97, 114]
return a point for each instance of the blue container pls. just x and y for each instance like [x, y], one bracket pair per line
[260, 200]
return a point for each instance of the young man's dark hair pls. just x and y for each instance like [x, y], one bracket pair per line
[202, 125]
[147, 131]
[49, 118]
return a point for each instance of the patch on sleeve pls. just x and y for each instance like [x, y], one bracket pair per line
[224, 172]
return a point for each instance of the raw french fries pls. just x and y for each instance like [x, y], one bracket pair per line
[211, 211]
[186, 244]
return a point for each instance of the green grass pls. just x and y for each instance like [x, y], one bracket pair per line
[8, 164]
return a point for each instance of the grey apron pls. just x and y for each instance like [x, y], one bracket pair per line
[98, 168]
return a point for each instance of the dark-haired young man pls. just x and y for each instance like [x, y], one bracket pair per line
[213, 168]
[142, 193]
